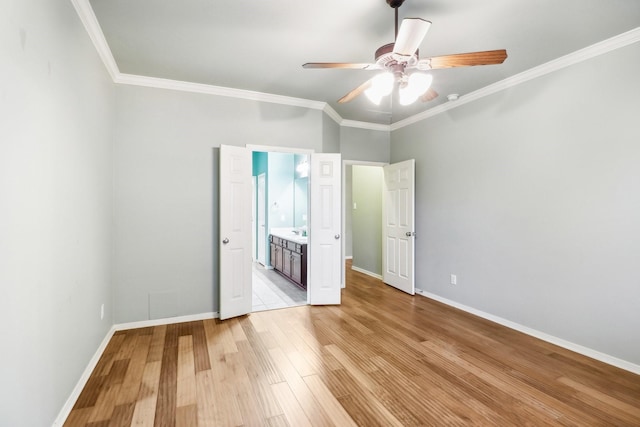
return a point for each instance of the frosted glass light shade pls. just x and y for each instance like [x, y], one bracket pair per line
[417, 85]
[381, 85]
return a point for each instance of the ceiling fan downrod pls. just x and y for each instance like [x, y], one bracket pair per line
[395, 4]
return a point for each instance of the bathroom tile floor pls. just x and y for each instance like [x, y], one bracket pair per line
[271, 290]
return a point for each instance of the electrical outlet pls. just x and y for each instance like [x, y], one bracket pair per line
[102, 312]
[454, 279]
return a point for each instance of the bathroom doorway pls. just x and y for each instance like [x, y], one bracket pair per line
[282, 200]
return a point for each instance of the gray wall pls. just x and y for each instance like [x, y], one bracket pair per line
[56, 116]
[166, 214]
[330, 135]
[532, 197]
[364, 144]
[367, 218]
[348, 210]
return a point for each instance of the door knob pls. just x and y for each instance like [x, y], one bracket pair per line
[410, 233]
[337, 236]
[226, 240]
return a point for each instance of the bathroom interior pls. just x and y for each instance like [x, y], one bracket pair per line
[280, 198]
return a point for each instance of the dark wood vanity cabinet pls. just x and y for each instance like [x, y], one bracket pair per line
[276, 255]
[289, 258]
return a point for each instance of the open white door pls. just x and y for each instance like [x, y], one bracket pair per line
[235, 231]
[398, 246]
[325, 248]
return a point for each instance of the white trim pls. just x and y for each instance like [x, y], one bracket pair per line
[368, 273]
[155, 82]
[165, 321]
[585, 351]
[578, 56]
[75, 393]
[82, 382]
[329, 111]
[181, 86]
[363, 163]
[274, 149]
[365, 125]
[90, 22]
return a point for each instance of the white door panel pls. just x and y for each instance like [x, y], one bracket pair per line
[398, 225]
[235, 231]
[325, 248]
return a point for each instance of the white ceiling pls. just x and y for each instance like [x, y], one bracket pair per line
[260, 45]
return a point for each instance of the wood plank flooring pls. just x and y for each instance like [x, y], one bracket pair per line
[382, 358]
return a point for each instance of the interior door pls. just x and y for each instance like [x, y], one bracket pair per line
[325, 247]
[398, 242]
[235, 231]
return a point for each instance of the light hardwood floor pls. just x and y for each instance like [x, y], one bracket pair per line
[382, 358]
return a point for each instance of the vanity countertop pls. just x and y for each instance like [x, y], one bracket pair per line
[288, 234]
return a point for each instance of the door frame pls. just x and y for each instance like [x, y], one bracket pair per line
[346, 163]
[261, 209]
[286, 150]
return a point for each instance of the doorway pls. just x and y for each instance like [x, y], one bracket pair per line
[362, 216]
[389, 256]
[282, 200]
[325, 228]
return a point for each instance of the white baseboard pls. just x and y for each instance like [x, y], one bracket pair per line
[165, 321]
[68, 406]
[585, 351]
[368, 273]
[75, 393]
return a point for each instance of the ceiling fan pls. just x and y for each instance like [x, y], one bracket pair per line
[401, 64]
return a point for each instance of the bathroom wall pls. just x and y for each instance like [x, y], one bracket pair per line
[280, 209]
[301, 191]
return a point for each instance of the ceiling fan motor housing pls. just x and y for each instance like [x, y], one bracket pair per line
[386, 59]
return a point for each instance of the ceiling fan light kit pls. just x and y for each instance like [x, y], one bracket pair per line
[381, 86]
[402, 55]
[417, 84]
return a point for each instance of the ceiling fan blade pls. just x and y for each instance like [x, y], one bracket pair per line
[344, 65]
[412, 32]
[488, 57]
[429, 95]
[356, 92]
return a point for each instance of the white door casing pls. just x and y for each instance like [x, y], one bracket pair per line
[235, 231]
[398, 241]
[262, 222]
[254, 230]
[325, 247]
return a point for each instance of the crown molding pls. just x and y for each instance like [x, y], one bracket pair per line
[365, 125]
[329, 111]
[353, 123]
[605, 46]
[155, 82]
[90, 22]
[160, 83]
